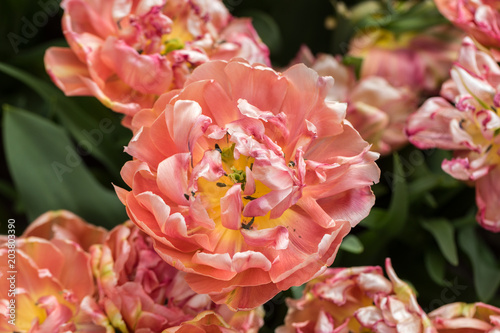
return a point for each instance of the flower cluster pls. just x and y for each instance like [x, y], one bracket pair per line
[77, 277]
[244, 180]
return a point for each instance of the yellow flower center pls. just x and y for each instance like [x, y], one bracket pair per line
[212, 192]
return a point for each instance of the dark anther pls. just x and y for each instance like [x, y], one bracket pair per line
[192, 193]
[248, 225]
[291, 164]
[218, 148]
[461, 123]
[220, 184]
[248, 197]
[186, 196]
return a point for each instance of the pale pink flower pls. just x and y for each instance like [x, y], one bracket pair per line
[470, 128]
[420, 62]
[480, 19]
[139, 292]
[375, 108]
[466, 318]
[248, 179]
[127, 53]
[356, 300]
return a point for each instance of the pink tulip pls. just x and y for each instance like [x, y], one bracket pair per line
[375, 108]
[357, 299]
[63, 224]
[420, 62]
[248, 179]
[470, 128]
[127, 53]
[466, 318]
[139, 292]
[53, 278]
[480, 19]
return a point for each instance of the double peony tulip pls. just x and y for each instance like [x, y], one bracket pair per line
[127, 53]
[470, 127]
[375, 108]
[356, 299]
[54, 281]
[248, 179]
[420, 62]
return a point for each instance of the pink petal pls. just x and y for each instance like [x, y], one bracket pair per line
[172, 177]
[487, 199]
[231, 205]
[276, 238]
[149, 74]
[65, 69]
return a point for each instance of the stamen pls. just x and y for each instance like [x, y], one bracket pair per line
[248, 225]
[220, 184]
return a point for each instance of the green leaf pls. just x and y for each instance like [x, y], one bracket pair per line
[352, 244]
[50, 175]
[372, 221]
[96, 130]
[435, 265]
[297, 291]
[484, 266]
[444, 234]
[395, 218]
[267, 28]
[355, 62]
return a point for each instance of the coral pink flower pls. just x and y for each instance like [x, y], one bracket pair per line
[470, 127]
[355, 300]
[480, 19]
[420, 62]
[248, 179]
[52, 279]
[377, 110]
[63, 224]
[127, 53]
[466, 318]
[139, 292]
